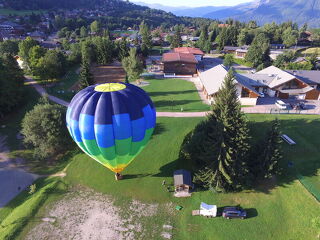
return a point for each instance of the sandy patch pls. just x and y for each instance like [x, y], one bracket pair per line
[86, 215]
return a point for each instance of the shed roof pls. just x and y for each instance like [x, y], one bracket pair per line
[195, 51]
[182, 177]
[179, 57]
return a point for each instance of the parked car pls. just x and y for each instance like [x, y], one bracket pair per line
[280, 104]
[234, 212]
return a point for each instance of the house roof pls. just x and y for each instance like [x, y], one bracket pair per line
[280, 76]
[307, 76]
[179, 57]
[230, 48]
[213, 78]
[182, 177]
[297, 91]
[257, 79]
[195, 51]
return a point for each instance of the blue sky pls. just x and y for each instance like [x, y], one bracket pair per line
[195, 3]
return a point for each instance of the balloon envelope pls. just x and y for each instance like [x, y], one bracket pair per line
[111, 122]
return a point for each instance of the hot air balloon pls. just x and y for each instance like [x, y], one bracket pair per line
[111, 123]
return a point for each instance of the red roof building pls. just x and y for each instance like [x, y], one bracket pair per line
[179, 63]
[194, 51]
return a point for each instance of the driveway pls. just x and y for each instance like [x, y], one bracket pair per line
[267, 105]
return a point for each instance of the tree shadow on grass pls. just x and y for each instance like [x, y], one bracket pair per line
[135, 176]
[303, 156]
[155, 94]
[159, 129]
[174, 104]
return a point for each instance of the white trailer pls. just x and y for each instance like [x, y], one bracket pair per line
[206, 210]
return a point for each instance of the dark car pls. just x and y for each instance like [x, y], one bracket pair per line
[234, 212]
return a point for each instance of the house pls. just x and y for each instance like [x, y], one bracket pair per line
[175, 63]
[189, 50]
[292, 84]
[230, 49]
[241, 53]
[271, 81]
[212, 79]
[37, 35]
[182, 183]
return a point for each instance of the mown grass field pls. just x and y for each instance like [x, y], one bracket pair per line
[278, 209]
[174, 95]
[281, 209]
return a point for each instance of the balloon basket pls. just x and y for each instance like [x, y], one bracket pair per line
[118, 176]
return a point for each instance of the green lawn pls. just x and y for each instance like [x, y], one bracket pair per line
[278, 210]
[281, 211]
[20, 211]
[172, 95]
[61, 89]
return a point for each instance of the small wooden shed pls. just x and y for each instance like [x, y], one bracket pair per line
[182, 181]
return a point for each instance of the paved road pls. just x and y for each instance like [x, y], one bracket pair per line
[13, 175]
[43, 92]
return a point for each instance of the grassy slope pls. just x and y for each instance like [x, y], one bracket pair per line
[283, 212]
[173, 94]
[21, 209]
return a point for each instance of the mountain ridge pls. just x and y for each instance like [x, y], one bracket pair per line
[264, 11]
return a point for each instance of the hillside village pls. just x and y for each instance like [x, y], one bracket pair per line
[200, 121]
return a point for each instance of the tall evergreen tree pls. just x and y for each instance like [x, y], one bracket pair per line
[258, 52]
[203, 38]
[132, 65]
[228, 169]
[269, 154]
[146, 38]
[176, 40]
[86, 77]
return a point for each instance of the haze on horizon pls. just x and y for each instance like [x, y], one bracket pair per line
[194, 3]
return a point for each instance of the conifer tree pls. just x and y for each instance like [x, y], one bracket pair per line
[146, 38]
[176, 40]
[229, 142]
[86, 77]
[271, 153]
[132, 65]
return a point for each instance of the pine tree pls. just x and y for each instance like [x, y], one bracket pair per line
[132, 65]
[146, 38]
[258, 52]
[176, 40]
[229, 142]
[272, 154]
[86, 77]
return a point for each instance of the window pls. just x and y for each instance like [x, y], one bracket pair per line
[244, 93]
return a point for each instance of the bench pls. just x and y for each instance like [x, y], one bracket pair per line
[288, 140]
